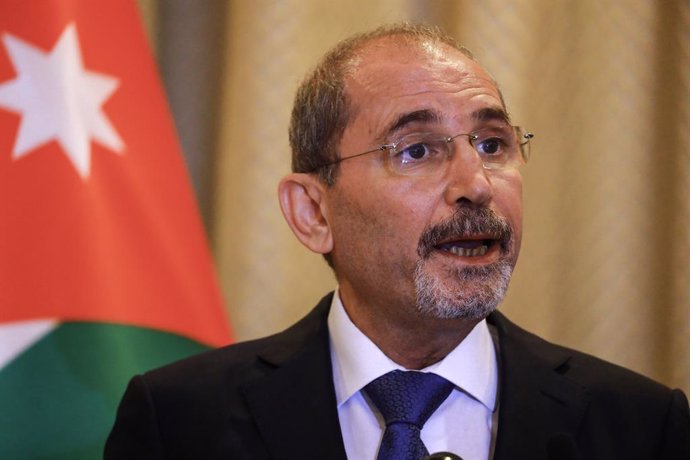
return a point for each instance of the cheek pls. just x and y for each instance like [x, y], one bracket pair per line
[406, 208]
[386, 221]
[508, 199]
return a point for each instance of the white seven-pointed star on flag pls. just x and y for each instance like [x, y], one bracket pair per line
[58, 99]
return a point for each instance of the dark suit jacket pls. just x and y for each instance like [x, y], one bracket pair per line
[274, 398]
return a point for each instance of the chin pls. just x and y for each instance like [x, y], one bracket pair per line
[470, 293]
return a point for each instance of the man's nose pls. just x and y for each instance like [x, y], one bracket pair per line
[466, 177]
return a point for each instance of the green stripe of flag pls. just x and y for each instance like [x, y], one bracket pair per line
[58, 399]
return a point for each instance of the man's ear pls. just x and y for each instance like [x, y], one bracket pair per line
[301, 200]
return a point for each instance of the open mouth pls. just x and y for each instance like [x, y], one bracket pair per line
[468, 247]
[475, 234]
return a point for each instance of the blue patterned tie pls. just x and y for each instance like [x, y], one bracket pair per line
[406, 400]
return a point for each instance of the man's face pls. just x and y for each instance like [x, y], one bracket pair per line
[442, 245]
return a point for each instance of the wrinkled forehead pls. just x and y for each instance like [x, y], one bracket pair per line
[390, 76]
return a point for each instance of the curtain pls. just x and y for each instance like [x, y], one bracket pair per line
[604, 85]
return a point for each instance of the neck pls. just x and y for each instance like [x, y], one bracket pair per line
[407, 337]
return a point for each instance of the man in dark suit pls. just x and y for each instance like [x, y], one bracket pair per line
[405, 176]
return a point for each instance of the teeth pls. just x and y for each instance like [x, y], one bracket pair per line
[465, 252]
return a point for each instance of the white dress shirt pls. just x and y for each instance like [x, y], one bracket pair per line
[463, 422]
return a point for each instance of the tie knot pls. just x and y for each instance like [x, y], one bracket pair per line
[408, 397]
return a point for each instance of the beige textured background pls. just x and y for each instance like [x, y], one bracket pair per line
[604, 85]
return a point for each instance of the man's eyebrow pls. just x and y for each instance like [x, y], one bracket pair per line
[431, 116]
[490, 113]
[418, 116]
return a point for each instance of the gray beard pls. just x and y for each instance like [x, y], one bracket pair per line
[477, 291]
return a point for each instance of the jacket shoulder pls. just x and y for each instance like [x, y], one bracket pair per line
[197, 407]
[241, 361]
[612, 412]
[584, 369]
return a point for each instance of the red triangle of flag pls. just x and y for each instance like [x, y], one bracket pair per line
[97, 218]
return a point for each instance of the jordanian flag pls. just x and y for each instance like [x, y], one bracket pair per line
[104, 269]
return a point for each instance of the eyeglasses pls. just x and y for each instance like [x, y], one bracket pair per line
[423, 154]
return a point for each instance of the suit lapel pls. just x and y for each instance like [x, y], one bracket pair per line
[294, 404]
[537, 400]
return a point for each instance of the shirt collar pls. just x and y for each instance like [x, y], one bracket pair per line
[471, 366]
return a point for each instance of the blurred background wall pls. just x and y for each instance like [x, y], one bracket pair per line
[604, 85]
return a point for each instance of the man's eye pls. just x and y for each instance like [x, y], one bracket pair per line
[415, 151]
[490, 146]
[418, 152]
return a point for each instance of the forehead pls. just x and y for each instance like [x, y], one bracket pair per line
[391, 76]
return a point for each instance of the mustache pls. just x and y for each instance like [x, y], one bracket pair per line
[466, 222]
